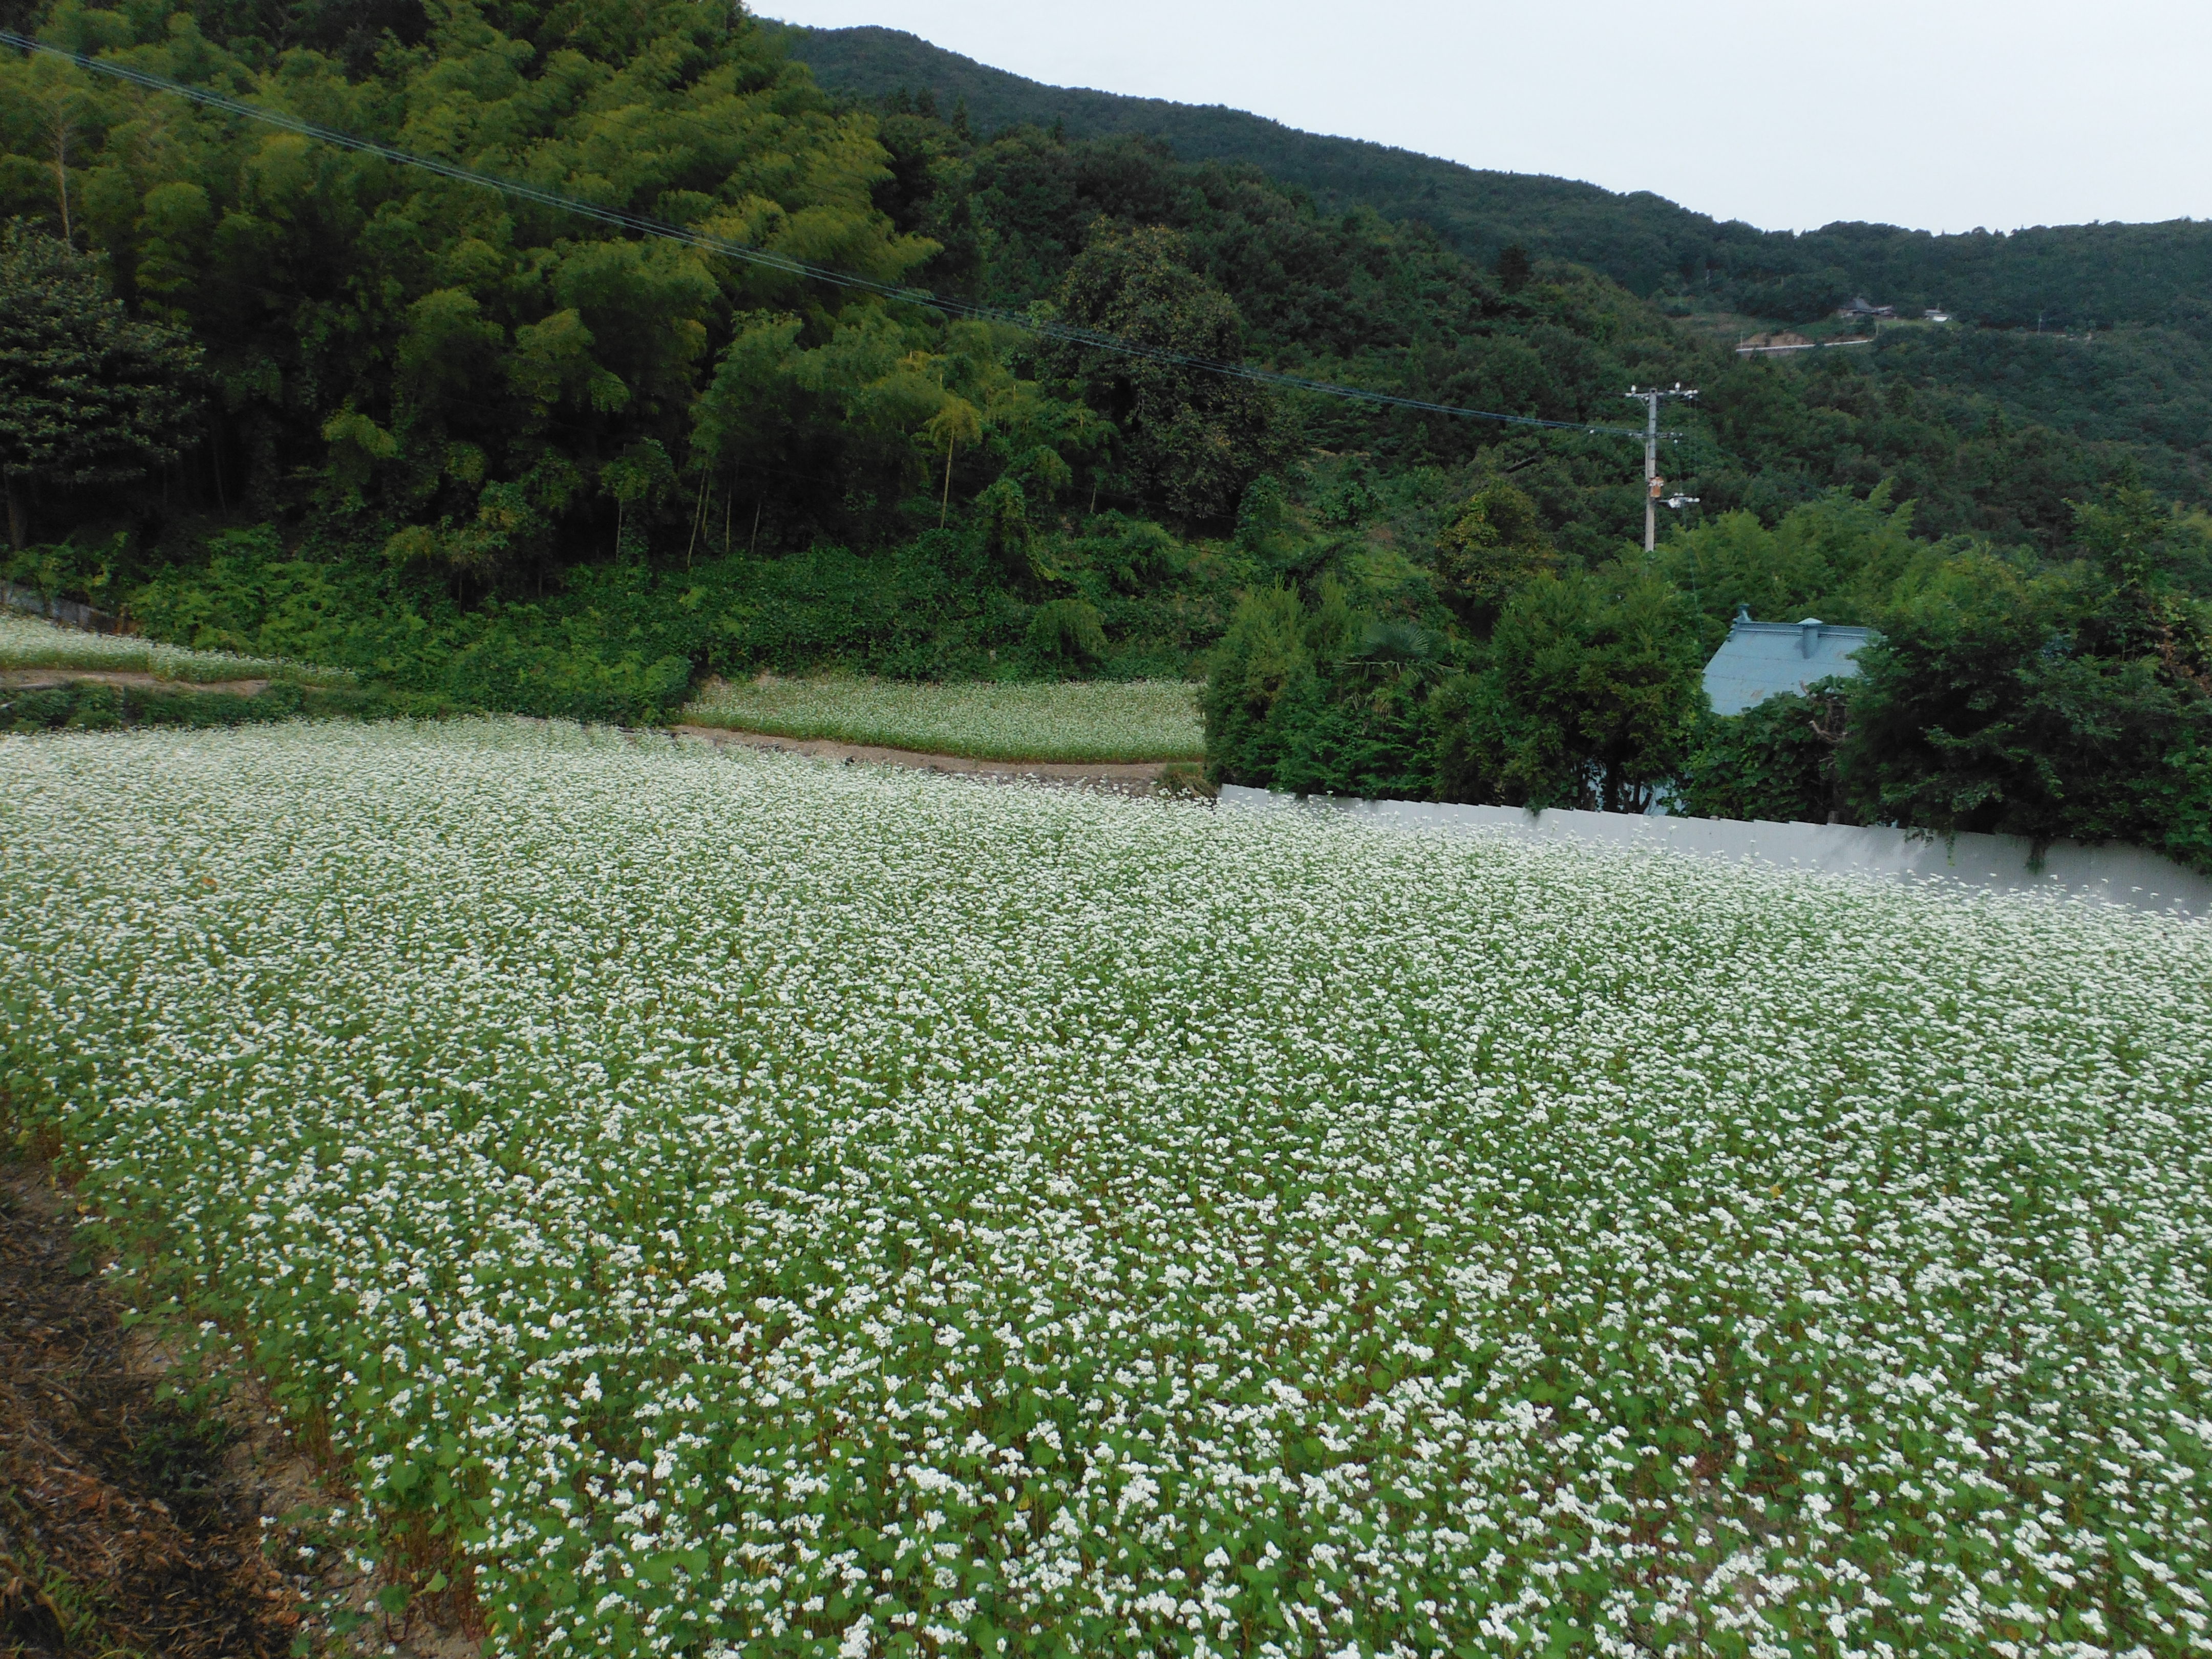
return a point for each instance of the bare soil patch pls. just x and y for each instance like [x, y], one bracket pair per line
[138, 1521]
[31, 679]
[1140, 778]
[121, 1527]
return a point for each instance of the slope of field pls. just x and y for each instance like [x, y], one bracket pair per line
[31, 642]
[1060, 720]
[717, 1203]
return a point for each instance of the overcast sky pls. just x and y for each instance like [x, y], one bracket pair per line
[1945, 115]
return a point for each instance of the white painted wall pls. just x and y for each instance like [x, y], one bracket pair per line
[2115, 875]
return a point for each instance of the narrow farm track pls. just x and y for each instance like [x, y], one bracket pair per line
[138, 1521]
[33, 679]
[1140, 778]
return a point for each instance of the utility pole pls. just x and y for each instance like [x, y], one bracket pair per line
[1651, 397]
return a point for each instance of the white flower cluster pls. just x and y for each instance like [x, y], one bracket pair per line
[32, 642]
[766, 1207]
[1097, 720]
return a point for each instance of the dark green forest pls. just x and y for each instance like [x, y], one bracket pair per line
[2103, 331]
[490, 455]
[2070, 277]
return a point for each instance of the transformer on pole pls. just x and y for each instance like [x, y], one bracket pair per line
[1654, 485]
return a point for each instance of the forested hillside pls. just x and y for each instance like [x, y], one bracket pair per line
[488, 451]
[2100, 331]
[2077, 277]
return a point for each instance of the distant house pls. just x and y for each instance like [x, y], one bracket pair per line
[1859, 310]
[1759, 661]
[1937, 315]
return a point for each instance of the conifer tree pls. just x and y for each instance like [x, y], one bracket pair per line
[88, 395]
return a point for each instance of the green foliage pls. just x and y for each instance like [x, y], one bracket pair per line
[2012, 694]
[2143, 385]
[2137, 541]
[1197, 440]
[2052, 702]
[1591, 697]
[1839, 557]
[594, 659]
[625, 642]
[1325, 699]
[94, 706]
[88, 395]
[1259, 678]
[1514, 268]
[2066, 276]
[86, 566]
[1002, 519]
[1776, 762]
[1494, 545]
[416, 344]
[494, 456]
[2045, 704]
[1067, 631]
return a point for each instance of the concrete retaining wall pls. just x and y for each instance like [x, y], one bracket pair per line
[2116, 875]
[68, 612]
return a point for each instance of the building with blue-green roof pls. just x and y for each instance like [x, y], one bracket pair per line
[1759, 661]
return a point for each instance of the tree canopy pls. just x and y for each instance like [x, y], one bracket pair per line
[88, 395]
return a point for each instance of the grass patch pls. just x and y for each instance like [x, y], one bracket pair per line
[30, 642]
[1073, 721]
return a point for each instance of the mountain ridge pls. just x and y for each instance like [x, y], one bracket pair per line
[2058, 277]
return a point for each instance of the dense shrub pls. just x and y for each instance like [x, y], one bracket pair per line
[2050, 705]
[95, 706]
[1776, 761]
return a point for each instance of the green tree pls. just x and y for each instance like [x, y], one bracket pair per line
[1067, 633]
[1196, 439]
[1591, 698]
[1320, 698]
[1514, 268]
[640, 479]
[1262, 681]
[1840, 557]
[1495, 544]
[1776, 761]
[1987, 706]
[2139, 549]
[88, 394]
[956, 422]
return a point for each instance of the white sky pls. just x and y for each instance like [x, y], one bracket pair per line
[1943, 115]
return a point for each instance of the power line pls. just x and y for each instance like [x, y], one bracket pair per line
[623, 219]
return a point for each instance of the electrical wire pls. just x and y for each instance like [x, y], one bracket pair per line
[743, 252]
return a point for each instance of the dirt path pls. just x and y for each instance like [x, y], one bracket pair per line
[1141, 778]
[31, 679]
[117, 1525]
[135, 1523]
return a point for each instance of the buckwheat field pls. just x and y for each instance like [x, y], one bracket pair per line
[760, 1206]
[1064, 720]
